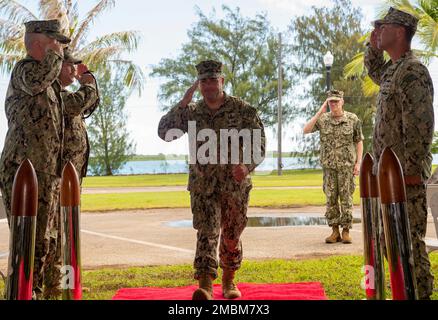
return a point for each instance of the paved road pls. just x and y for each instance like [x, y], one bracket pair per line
[138, 238]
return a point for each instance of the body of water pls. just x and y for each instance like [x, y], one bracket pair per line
[180, 166]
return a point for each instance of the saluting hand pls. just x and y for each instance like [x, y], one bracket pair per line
[373, 38]
[83, 75]
[323, 108]
[188, 96]
[81, 69]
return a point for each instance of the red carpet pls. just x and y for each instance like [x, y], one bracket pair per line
[250, 291]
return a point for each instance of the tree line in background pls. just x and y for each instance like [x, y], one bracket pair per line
[336, 29]
[248, 47]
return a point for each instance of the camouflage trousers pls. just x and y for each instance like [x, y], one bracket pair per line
[417, 212]
[47, 244]
[338, 186]
[218, 215]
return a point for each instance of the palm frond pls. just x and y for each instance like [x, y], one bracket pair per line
[101, 55]
[11, 38]
[429, 7]
[404, 5]
[369, 88]
[91, 15]
[13, 46]
[16, 12]
[423, 53]
[355, 68]
[54, 9]
[8, 61]
[72, 14]
[365, 37]
[134, 77]
[50, 9]
[128, 40]
[68, 5]
[425, 56]
[10, 29]
[98, 58]
[427, 13]
[428, 33]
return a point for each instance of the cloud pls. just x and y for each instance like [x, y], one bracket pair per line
[294, 7]
[301, 7]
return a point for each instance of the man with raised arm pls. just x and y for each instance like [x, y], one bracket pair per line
[35, 112]
[219, 188]
[404, 122]
[341, 147]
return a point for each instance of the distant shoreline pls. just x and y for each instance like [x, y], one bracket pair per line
[158, 157]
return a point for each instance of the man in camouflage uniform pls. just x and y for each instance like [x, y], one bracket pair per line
[75, 148]
[219, 190]
[34, 111]
[341, 150]
[76, 145]
[404, 122]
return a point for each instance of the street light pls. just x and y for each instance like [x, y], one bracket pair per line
[328, 62]
[280, 111]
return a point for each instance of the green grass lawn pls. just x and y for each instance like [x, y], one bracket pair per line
[340, 276]
[289, 178]
[181, 199]
[292, 178]
[147, 180]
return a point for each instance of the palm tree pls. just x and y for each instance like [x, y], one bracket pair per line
[427, 13]
[101, 54]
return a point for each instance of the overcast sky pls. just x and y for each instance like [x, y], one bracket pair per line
[163, 26]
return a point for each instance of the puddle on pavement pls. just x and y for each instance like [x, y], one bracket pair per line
[269, 222]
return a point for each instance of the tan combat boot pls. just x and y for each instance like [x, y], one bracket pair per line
[335, 236]
[229, 289]
[346, 236]
[205, 290]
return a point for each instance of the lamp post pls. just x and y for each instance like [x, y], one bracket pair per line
[328, 62]
[280, 111]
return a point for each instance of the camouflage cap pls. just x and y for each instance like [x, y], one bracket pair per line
[395, 16]
[68, 57]
[335, 95]
[209, 69]
[51, 28]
